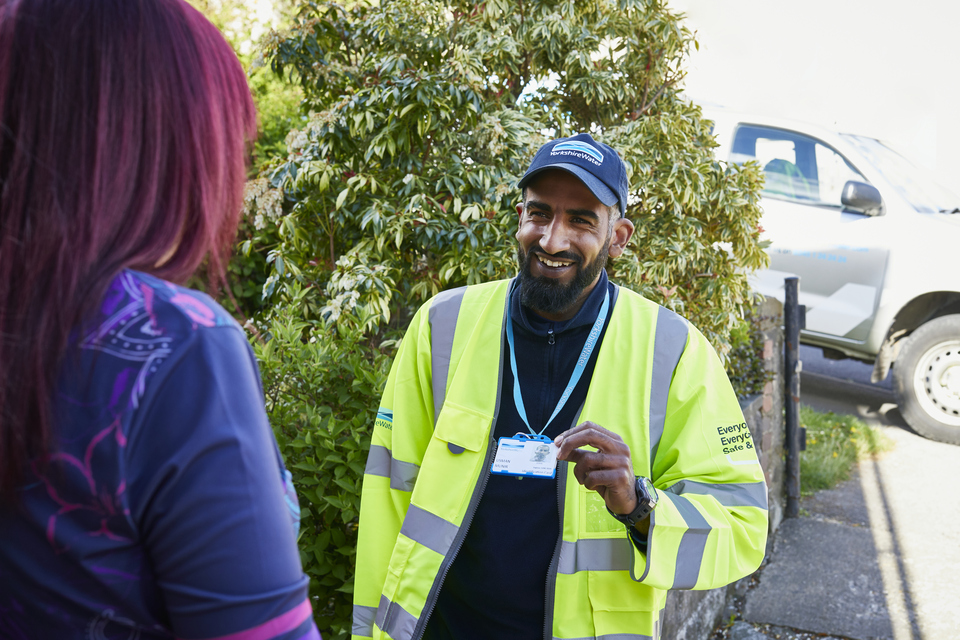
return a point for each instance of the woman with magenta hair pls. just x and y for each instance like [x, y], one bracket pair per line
[142, 494]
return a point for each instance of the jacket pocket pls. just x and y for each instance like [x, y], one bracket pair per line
[463, 427]
[452, 462]
[594, 519]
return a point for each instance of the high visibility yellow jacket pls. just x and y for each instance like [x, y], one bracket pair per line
[657, 382]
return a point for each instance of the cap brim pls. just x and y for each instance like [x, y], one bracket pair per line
[603, 193]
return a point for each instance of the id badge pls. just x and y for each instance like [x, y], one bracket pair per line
[526, 455]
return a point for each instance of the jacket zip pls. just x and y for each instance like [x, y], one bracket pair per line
[431, 602]
[550, 591]
[552, 570]
[461, 536]
[550, 366]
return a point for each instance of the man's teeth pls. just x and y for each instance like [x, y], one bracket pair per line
[553, 263]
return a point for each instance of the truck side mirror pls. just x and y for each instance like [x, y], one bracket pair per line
[861, 197]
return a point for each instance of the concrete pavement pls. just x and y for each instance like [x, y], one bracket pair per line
[877, 557]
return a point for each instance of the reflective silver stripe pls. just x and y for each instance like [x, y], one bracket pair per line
[690, 553]
[403, 475]
[668, 346]
[380, 462]
[430, 530]
[394, 620]
[363, 618]
[443, 323]
[747, 494]
[600, 554]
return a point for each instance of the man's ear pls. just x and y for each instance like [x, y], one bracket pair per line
[520, 209]
[622, 231]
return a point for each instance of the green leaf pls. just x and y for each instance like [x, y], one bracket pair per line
[342, 197]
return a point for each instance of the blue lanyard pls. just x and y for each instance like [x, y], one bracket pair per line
[577, 370]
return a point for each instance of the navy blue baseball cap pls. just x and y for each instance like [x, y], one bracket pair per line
[597, 165]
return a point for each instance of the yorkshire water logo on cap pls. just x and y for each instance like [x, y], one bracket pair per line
[578, 149]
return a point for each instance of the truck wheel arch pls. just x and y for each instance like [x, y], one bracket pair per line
[922, 309]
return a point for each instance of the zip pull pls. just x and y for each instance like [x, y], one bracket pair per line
[550, 338]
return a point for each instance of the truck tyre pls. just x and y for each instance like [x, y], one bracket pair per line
[926, 379]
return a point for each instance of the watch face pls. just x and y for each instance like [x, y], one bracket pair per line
[648, 490]
[646, 500]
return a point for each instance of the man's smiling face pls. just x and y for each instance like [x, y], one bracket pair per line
[564, 237]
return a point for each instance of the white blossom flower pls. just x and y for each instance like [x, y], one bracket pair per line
[252, 191]
[318, 120]
[271, 203]
[296, 140]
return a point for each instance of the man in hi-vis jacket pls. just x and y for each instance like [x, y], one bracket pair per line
[553, 452]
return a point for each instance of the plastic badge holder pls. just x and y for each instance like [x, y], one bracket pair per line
[526, 455]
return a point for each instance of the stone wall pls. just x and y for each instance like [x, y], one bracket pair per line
[692, 615]
[764, 412]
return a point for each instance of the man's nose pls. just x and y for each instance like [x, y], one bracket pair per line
[555, 237]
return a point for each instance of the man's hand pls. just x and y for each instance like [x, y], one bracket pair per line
[608, 471]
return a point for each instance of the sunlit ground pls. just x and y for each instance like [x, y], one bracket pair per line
[910, 494]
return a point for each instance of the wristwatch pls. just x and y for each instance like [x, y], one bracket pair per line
[646, 502]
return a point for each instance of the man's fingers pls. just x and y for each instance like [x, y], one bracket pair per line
[604, 441]
[585, 462]
[583, 426]
[612, 479]
[596, 459]
[615, 486]
[576, 456]
[608, 470]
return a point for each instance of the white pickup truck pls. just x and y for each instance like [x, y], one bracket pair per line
[876, 244]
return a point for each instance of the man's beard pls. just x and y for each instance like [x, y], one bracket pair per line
[551, 296]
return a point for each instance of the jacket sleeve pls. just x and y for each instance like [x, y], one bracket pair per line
[403, 429]
[710, 525]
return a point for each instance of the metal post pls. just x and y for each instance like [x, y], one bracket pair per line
[792, 321]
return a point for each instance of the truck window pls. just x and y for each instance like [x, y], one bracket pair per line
[797, 167]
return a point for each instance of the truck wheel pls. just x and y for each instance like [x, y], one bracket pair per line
[926, 379]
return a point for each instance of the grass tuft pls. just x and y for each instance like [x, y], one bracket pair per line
[834, 444]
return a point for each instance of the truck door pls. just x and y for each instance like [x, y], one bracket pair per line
[810, 233]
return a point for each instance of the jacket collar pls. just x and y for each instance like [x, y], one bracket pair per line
[529, 320]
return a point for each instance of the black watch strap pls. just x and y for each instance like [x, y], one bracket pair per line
[646, 502]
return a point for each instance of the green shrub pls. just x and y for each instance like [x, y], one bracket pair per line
[321, 385]
[746, 367]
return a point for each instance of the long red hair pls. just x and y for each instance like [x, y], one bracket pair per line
[124, 134]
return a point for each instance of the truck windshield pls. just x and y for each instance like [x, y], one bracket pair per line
[915, 186]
